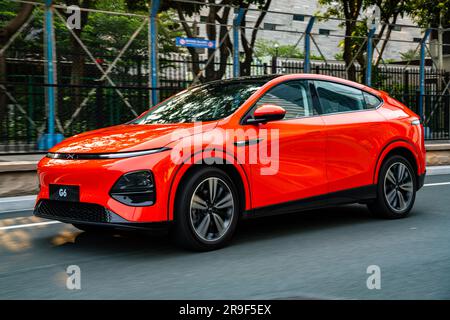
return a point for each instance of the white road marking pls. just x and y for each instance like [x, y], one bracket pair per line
[436, 184]
[29, 225]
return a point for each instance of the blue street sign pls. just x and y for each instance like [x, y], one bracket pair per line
[195, 43]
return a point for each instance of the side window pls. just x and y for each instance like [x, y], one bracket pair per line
[371, 101]
[335, 97]
[293, 96]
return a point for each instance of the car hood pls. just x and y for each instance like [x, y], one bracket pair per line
[131, 137]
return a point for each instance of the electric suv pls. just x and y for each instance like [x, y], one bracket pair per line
[233, 149]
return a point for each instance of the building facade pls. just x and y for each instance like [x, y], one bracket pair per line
[286, 26]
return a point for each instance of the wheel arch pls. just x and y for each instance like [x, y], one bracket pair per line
[222, 161]
[402, 148]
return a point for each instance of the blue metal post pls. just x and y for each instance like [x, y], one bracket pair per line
[369, 56]
[236, 27]
[48, 140]
[423, 44]
[307, 61]
[153, 51]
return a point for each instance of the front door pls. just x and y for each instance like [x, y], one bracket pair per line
[291, 162]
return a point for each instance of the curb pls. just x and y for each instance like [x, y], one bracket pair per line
[18, 166]
[437, 170]
[12, 204]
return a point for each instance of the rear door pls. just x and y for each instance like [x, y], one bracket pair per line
[353, 129]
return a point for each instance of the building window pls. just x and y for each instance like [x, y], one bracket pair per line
[397, 28]
[203, 18]
[417, 39]
[269, 26]
[298, 17]
[324, 32]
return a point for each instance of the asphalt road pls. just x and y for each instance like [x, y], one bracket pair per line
[318, 254]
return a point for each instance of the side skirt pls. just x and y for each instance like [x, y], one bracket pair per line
[354, 195]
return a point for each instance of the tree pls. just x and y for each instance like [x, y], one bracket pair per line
[77, 52]
[7, 31]
[410, 54]
[249, 45]
[350, 11]
[390, 11]
[434, 14]
[356, 27]
[217, 19]
[429, 13]
[270, 48]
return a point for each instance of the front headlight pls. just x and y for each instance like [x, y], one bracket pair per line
[135, 188]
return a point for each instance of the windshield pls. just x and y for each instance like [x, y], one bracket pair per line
[207, 102]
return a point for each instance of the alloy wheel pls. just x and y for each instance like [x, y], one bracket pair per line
[211, 209]
[398, 187]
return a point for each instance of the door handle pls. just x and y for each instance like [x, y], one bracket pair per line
[243, 143]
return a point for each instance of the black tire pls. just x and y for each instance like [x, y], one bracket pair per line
[183, 231]
[382, 207]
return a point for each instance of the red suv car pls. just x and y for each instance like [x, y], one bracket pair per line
[240, 148]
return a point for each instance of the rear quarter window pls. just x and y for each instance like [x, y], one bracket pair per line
[372, 101]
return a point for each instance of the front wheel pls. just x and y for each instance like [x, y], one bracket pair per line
[206, 211]
[396, 189]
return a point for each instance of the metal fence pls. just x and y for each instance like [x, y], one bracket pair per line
[112, 89]
[25, 119]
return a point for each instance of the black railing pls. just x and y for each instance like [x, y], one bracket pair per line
[23, 111]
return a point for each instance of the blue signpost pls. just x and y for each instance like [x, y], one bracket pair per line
[195, 43]
[369, 56]
[51, 138]
[153, 51]
[423, 44]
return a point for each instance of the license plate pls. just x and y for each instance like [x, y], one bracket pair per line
[64, 193]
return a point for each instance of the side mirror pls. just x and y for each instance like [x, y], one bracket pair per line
[266, 113]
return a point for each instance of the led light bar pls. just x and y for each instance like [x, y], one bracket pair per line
[91, 156]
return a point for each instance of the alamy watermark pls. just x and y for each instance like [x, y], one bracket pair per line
[74, 19]
[73, 281]
[200, 144]
[374, 280]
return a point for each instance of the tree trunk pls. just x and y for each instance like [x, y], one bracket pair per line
[192, 51]
[385, 42]
[6, 33]
[78, 55]
[348, 54]
[246, 64]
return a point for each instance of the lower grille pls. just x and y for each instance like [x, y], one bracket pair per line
[76, 211]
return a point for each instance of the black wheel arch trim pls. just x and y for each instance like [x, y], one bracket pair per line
[172, 198]
[380, 160]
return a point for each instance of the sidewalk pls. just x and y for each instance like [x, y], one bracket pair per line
[21, 157]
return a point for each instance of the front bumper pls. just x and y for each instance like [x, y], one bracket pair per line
[95, 178]
[86, 213]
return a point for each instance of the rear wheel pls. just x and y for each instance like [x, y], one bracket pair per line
[206, 211]
[396, 189]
